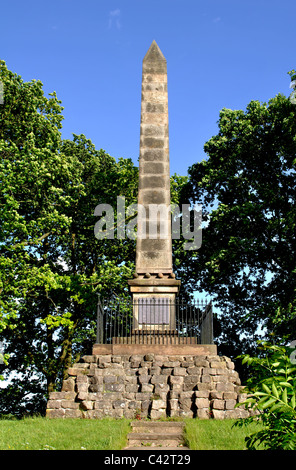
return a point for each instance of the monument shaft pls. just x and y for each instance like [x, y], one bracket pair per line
[154, 286]
[154, 242]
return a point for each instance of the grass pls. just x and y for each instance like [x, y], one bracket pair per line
[40, 433]
[216, 435]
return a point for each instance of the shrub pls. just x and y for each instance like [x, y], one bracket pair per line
[272, 389]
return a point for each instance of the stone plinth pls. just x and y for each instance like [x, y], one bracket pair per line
[180, 349]
[149, 385]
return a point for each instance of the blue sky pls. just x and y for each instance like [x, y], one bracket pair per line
[220, 53]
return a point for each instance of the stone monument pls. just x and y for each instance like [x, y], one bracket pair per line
[154, 286]
[151, 380]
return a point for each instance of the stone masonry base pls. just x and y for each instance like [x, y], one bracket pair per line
[149, 386]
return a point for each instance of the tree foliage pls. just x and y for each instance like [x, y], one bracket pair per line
[247, 188]
[51, 265]
[272, 395]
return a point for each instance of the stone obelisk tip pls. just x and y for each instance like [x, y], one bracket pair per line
[154, 54]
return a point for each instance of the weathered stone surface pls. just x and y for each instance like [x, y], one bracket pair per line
[154, 175]
[153, 385]
[203, 413]
[179, 371]
[218, 404]
[218, 414]
[202, 403]
[158, 404]
[68, 385]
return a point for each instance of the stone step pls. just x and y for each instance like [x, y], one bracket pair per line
[156, 434]
[156, 427]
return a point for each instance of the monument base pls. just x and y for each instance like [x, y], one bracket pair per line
[186, 348]
[134, 383]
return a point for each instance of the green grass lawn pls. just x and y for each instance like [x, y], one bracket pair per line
[214, 434]
[63, 434]
[109, 434]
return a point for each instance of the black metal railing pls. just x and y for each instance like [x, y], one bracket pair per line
[154, 320]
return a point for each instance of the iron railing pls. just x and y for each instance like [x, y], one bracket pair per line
[154, 321]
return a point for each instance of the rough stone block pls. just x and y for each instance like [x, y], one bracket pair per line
[201, 361]
[70, 413]
[96, 388]
[142, 396]
[218, 404]
[56, 395]
[196, 371]
[186, 413]
[176, 379]
[202, 403]
[89, 359]
[144, 379]
[206, 379]
[117, 413]
[187, 364]
[232, 414]
[93, 414]
[68, 385]
[220, 378]
[218, 414]
[147, 387]
[202, 393]
[204, 386]
[161, 388]
[69, 404]
[179, 371]
[114, 387]
[155, 370]
[54, 404]
[77, 371]
[132, 388]
[158, 414]
[203, 413]
[158, 404]
[109, 379]
[224, 387]
[119, 404]
[230, 365]
[230, 396]
[216, 395]
[106, 359]
[157, 379]
[171, 364]
[82, 379]
[177, 387]
[218, 365]
[173, 404]
[82, 387]
[82, 396]
[230, 404]
[55, 413]
[86, 405]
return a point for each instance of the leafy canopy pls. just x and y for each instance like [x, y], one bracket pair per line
[247, 188]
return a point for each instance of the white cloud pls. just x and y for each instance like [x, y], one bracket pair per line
[114, 19]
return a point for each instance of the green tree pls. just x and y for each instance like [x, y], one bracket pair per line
[247, 188]
[51, 265]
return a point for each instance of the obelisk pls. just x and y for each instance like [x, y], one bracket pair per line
[154, 277]
[154, 252]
